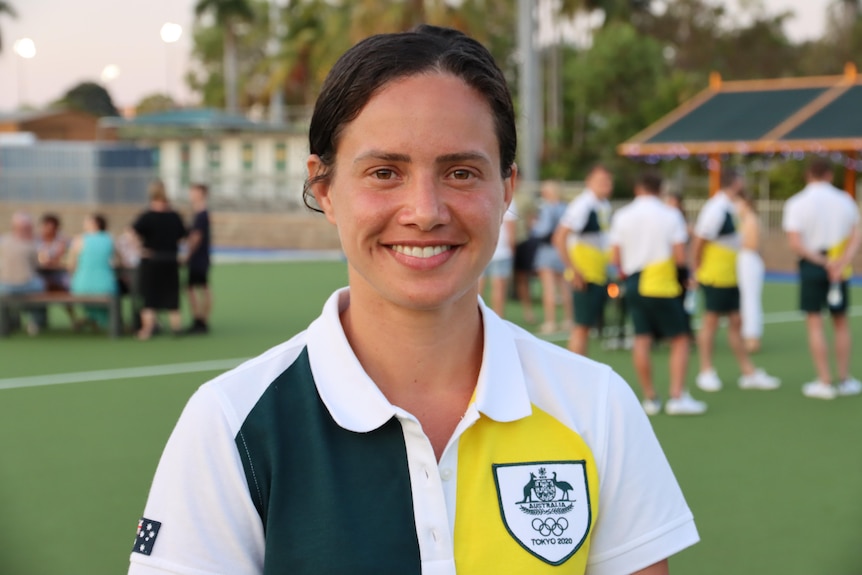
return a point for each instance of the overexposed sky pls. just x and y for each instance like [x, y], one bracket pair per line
[75, 41]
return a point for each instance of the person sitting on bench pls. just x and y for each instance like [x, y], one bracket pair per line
[19, 266]
[91, 263]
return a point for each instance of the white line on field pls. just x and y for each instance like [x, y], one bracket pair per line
[225, 364]
[122, 373]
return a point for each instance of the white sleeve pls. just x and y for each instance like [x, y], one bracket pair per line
[709, 221]
[576, 214]
[790, 221]
[200, 498]
[643, 517]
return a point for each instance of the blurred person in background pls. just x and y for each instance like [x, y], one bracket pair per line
[648, 242]
[160, 230]
[688, 297]
[581, 241]
[19, 266]
[198, 261]
[502, 264]
[750, 271]
[52, 247]
[715, 249]
[822, 226]
[524, 264]
[91, 263]
[549, 266]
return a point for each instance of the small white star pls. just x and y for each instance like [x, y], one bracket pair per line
[143, 547]
[146, 538]
[149, 526]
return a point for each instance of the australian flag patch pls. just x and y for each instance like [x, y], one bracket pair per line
[146, 538]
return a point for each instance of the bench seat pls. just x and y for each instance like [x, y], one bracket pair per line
[23, 301]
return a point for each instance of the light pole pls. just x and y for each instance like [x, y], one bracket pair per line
[26, 49]
[170, 33]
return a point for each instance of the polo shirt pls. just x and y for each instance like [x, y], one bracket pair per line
[295, 462]
[824, 217]
[716, 224]
[588, 217]
[645, 232]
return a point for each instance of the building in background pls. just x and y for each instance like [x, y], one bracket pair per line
[248, 165]
[62, 125]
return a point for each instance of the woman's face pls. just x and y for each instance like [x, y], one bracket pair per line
[416, 192]
[90, 225]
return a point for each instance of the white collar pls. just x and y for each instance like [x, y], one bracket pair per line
[357, 404]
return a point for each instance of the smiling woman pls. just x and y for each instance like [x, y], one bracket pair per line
[409, 427]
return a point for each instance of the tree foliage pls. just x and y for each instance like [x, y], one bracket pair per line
[89, 97]
[646, 58]
[154, 103]
[6, 9]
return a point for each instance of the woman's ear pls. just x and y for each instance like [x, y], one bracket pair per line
[320, 187]
[509, 185]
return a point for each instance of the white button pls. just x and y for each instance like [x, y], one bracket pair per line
[446, 474]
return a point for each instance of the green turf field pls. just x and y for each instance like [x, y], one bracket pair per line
[774, 479]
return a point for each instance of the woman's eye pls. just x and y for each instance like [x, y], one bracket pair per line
[384, 174]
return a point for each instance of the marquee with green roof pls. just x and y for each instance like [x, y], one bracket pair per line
[790, 115]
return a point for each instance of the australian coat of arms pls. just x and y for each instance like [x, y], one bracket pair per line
[545, 506]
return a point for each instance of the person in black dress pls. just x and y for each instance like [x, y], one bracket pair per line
[160, 230]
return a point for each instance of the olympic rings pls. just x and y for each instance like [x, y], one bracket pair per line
[550, 525]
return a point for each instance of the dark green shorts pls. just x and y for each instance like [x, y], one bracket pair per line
[590, 304]
[660, 317]
[720, 299]
[814, 287]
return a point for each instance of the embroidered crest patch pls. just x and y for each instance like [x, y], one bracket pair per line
[146, 537]
[545, 506]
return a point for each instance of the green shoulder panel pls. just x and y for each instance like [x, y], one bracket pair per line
[593, 225]
[728, 228]
[331, 501]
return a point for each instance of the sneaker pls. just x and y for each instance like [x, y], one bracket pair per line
[759, 379]
[819, 390]
[708, 381]
[685, 404]
[652, 406]
[850, 386]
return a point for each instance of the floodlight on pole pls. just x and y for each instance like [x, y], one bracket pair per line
[170, 34]
[26, 49]
[110, 73]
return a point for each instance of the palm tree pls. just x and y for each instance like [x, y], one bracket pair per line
[6, 8]
[227, 14]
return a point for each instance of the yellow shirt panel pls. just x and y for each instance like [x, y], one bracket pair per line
[527, 498]
[591, 261]
[718, 266]
[659, 280]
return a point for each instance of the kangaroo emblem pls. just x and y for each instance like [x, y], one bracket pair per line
[528, 489]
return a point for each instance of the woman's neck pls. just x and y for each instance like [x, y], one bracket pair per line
[416, 354]
[425, 362]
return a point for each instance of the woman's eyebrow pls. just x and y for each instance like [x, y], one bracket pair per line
[463, 157]
[454, 157]
[384, 156]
